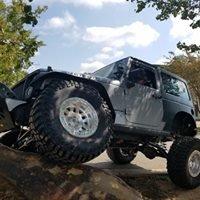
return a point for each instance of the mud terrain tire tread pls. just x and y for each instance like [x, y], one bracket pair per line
[177, 162]
[46, 141]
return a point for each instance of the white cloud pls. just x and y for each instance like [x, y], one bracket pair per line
[100, 56]
[91, 66]
[33, 68]
[181, 30]
[106, 55]
[93, 3]
[61, 22]
[118, 54]
[136, 34]
[56, 22]
[114, 53]
[37, 53]
[106, 49]
[161, 61]
[86, 3]
[65, 25]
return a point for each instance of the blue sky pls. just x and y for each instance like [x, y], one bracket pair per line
[84, 35]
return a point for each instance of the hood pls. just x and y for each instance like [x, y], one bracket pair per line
[98, 79]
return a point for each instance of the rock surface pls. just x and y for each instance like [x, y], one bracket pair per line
[27, 176]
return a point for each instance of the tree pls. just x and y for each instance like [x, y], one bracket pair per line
[17, 42]
[188, 67]
[186, 9]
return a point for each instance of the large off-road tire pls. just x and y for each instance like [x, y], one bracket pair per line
[71, 122]
[183, 162]
[121, 156]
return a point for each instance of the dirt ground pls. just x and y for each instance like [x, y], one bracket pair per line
[148, 177]
[159, 187]
[9, 194]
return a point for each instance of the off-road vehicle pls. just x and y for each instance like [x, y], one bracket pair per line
[125, 107]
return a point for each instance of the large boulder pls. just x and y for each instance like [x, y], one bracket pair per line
[28, 176]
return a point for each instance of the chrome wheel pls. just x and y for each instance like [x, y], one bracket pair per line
[78, 117]
[194, 164]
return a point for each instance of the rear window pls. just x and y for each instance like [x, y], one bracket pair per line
[175, 86]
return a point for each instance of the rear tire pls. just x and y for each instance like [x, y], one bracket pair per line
[121, 156]
[183, 162]
[70, 122]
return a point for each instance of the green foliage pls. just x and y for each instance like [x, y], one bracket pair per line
[188, 67]
[186, 9]
[17, 43]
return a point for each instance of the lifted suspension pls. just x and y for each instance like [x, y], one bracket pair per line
[149, 149]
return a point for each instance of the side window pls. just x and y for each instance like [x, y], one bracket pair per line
[143, 76]
[174, 86]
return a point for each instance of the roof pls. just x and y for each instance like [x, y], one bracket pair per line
[161, 67]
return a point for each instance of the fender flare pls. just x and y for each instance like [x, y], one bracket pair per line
[39, 81]
[181, 115]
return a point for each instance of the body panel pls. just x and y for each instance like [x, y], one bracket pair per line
[175, 104]
[141, 106]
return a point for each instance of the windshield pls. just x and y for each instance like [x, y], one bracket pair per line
[113, 71]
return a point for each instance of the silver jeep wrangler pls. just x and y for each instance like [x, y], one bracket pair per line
[125, 107]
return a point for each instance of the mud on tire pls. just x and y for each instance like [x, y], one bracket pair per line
[183, 162]
[53, 140]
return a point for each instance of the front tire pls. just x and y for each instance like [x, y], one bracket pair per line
[183, 162]
[121, 156]
[71, 122]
